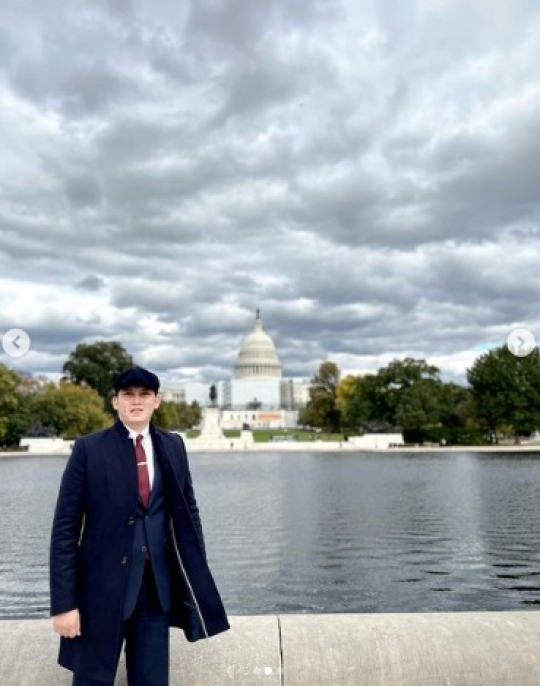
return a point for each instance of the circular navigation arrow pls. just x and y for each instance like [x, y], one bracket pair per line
[521, 342]
[16, 342]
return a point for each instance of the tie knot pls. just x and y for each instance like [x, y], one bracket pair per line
[139, 438]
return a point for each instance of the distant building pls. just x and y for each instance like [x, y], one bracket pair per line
[175, 395]
[256, 395]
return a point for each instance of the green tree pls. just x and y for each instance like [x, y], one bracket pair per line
[321, 410]
[177, 416]
[9, 398]
[386, 400]
[23, 419]
[408, 394]
[392, 381]
[353, 400]
[189, 415]
[506, 391]
[419, 409]
[96, 364]
[459, 423]
[69, 409]
[166, 416]
[453, 401]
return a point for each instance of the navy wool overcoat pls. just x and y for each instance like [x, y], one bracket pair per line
[91, 543]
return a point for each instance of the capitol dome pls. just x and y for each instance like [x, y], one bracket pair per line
[257, 357]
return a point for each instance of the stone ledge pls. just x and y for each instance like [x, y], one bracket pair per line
[438, 649]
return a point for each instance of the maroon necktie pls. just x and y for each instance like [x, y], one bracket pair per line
[142, 471]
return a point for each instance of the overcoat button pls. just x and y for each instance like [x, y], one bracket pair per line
[131, 521]
[124, 560]
[143, 549]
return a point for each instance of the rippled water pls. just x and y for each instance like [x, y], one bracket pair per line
[325, 532]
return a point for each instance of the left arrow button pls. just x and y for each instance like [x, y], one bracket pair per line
[16, 342]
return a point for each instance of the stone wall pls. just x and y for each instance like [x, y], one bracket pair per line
[439, 649]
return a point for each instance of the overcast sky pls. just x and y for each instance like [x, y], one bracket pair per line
[364, 172]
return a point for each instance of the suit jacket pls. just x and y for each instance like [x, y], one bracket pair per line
[92, 545]
[150, 537]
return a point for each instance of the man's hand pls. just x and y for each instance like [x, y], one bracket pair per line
[68, 624]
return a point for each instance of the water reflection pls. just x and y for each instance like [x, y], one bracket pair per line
[325, 532]
[511, 528]
[28, 488]
[241, 501]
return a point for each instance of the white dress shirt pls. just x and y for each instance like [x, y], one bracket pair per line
[148, 449]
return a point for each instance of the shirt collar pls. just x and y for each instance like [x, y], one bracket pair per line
[143, 432]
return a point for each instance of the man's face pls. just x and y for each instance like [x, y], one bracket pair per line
[135, 406]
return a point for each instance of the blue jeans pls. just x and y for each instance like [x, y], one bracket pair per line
[146, 636]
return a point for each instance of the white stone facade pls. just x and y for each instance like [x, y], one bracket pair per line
[175, 395]
[376, 441]
[257, 358]
[259, 419]
[256, 387]
[255, 393]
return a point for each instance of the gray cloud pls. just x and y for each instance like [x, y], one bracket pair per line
[363, 173]
[92, 283]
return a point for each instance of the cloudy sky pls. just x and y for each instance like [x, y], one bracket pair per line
[365, 172]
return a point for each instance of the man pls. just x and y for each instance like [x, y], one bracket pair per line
[127, 556]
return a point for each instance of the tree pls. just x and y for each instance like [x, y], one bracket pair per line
[392, 381]
[419, 409]
[96, 364]
[166, 415]
[69, 409]
[177, 416]
[22, 419]
[459, 422]
[387, 399]
[189, 415]
[321, 410]
[353, 402]
[9, 399]
[506, 391]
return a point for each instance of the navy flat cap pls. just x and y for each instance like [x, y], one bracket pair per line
[136, 377]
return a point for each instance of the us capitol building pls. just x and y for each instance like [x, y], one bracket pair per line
[257, 396]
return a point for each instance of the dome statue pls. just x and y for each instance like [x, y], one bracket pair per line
[257, 357]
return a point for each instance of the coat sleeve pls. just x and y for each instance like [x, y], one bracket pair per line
[66, 533]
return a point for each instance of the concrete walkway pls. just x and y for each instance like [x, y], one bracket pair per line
[439, 649]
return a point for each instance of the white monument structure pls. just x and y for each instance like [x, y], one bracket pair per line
[257, 396]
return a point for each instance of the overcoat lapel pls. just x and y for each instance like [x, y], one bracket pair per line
[170, 478]
[161, 457]
[124, 466]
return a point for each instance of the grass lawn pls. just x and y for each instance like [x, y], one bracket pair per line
[267, 435]
[229, 433]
